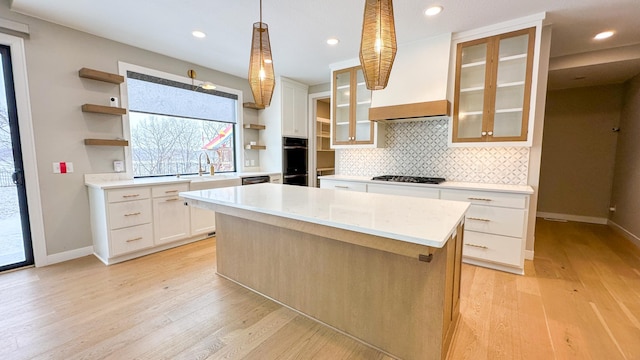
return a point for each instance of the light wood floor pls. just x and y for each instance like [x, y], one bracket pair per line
[580, 299]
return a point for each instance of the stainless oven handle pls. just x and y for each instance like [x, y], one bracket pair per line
[295, 147]
[294, 176]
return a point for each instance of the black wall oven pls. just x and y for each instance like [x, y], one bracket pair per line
[294, 161]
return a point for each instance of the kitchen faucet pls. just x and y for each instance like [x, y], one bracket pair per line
[200, 170]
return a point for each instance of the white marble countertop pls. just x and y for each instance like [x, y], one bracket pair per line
[119, 180]
[453, 185]
[427, 222]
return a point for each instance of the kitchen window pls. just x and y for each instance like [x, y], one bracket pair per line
[173, 125]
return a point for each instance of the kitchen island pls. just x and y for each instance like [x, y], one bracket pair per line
[383, 269]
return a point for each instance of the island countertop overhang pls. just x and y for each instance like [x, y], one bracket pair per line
[416, 221]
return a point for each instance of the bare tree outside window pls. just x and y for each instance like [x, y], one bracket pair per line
[166, 145]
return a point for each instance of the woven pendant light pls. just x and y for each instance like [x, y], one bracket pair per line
[378, 45]
[261, 76]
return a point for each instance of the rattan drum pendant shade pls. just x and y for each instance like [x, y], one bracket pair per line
[261, 76]
[378, 45]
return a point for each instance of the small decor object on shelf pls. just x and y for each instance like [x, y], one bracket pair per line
[378, 45]
[261, 75]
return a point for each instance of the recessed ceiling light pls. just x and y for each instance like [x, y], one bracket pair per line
[433, 10]
[333, 41]
[198, 34]
[604, 35]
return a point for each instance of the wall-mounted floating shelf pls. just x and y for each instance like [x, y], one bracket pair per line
[106, 142]
[251, 105]
[255, 147]
[100, 109]
[100, 76]
[254, 126]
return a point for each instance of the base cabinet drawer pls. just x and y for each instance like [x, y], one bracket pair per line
[496, 220]
[129, 213]
[128, 194]
[404, 191]
[494, 248]
[516, 201]
[343, 185]
[131, 239]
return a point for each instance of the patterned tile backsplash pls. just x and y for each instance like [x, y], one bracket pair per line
[420, 149]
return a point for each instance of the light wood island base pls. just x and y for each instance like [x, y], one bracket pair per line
[395, 303]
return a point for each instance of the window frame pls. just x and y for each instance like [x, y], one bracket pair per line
[123, 67]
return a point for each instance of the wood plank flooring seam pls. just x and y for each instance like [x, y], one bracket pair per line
[606, 327]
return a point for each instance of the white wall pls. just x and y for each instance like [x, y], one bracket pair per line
[626, 180]
[578, 151]
[54, 54]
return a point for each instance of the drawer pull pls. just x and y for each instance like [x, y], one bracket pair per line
[133, 214]
[173, 199]
[130, 196]
[171, 191]
[477, 246]
[478, 219]
[341, 187]
[479, 199]
[134, 239]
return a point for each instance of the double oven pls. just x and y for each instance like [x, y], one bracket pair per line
[294, 161]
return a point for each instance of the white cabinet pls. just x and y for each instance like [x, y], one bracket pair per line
[121, 221]
[203, 221]
[404, 190]
[138, 220]
[495, 228]
[275, 178]
[495, 224]
[343, 185]
[170, 216]
[294, 109]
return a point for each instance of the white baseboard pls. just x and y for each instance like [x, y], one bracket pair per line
[69, 255]
[569, 217]
[528, 254]
[624, 232]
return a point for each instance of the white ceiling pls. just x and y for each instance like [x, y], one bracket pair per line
[298, 29]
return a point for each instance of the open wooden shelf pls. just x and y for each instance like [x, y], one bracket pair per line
[251, 105]
[254, 126]
[100, 109]
[106, 142]
[255, 147]
[100, 76]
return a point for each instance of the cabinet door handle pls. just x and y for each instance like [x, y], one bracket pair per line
[172, 199]
[133, 214]
[490, 133]
[479, 199]
[484, 133]
[171, 191]
[477, 246]
[134, 239]
[478, 219]
[130, 196]
[341, 187]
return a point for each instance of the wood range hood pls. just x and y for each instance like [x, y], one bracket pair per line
[410, 112]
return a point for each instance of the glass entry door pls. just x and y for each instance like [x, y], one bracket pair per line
[15, 235]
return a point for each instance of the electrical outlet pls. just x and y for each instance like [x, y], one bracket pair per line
[247, 163]
[253, 162]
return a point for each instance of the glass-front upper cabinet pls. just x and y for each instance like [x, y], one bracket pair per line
[351, 102]
[493, 88]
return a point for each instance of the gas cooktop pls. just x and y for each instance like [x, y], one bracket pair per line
[409, 179]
